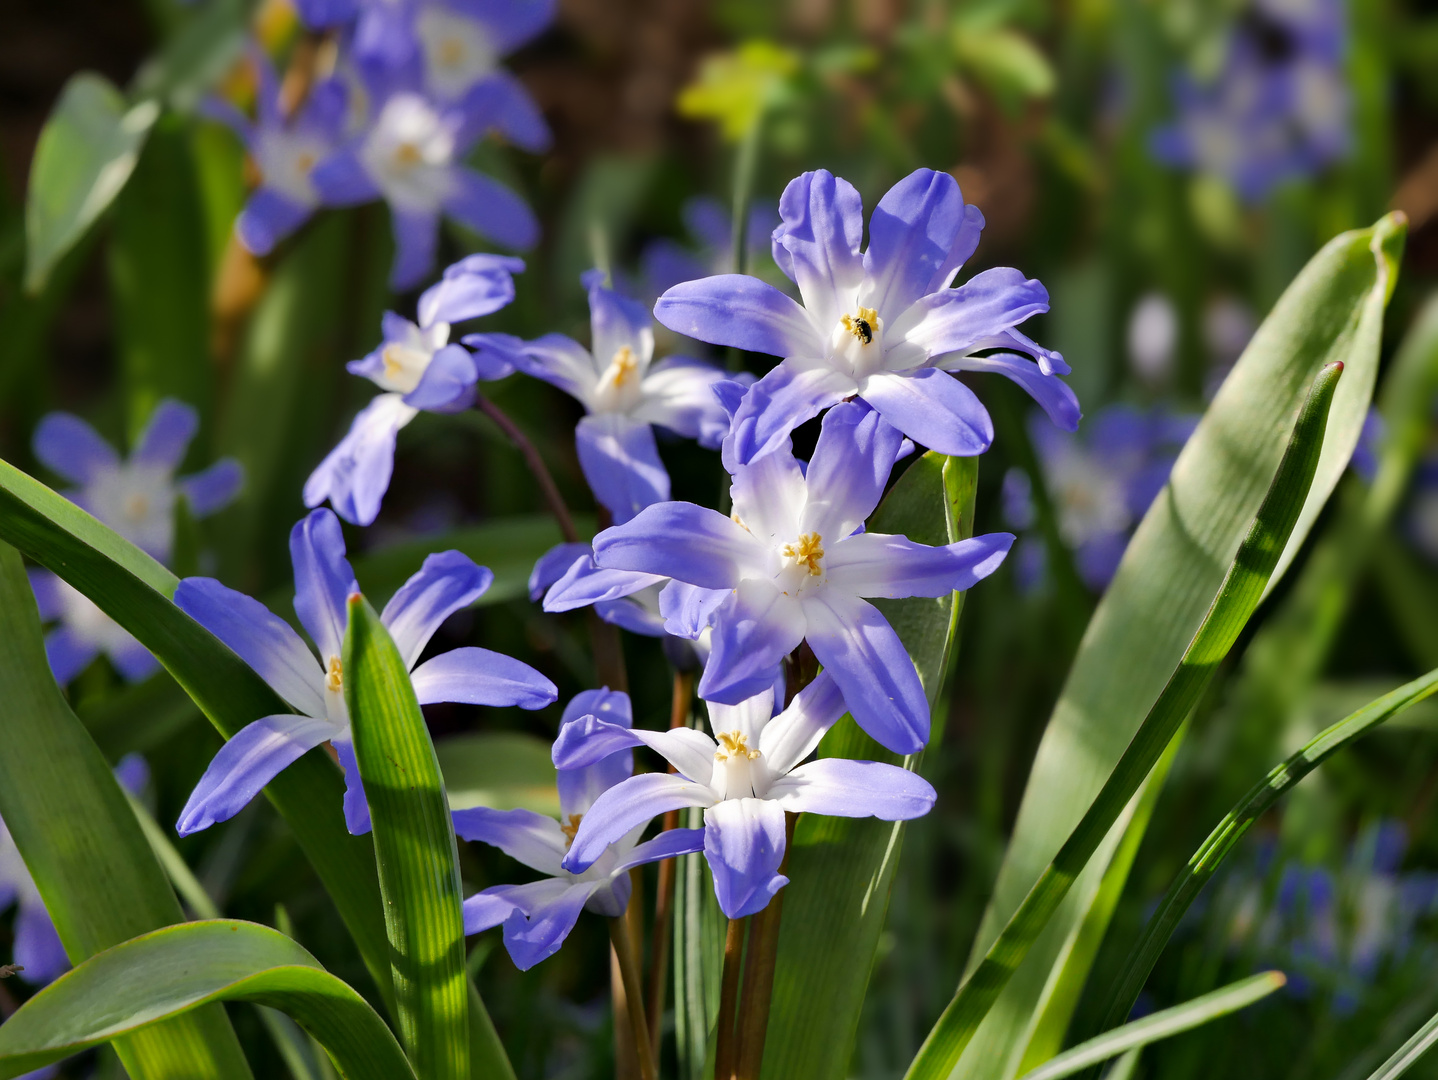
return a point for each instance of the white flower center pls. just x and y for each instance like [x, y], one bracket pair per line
[409, 154]
[286, 159]
[336, 711]
[406, 361]
[138, 502]
[857, 342]
[457, 51]
[802, 560]
[621, 386]
[739, 772]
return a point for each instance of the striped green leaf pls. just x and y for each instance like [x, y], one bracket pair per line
[163, 977]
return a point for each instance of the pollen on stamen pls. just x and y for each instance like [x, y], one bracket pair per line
[808, 550]
[392, 366]
[136, 507]
[335, 676]
[624, 365]
[861, 324]
[407, 154]
[450, 52]
[570, 828]
[734, 744]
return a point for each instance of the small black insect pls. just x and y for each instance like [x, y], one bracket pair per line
[865, 331]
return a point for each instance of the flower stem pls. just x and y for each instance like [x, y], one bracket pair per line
[664, 894]
[634, 997]
[536, 465]
[758, 990]
[726, 1049]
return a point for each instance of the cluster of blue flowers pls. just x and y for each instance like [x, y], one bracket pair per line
[873, 347]
[1277, 108]
[411, 88]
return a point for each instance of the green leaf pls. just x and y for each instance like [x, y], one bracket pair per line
[841, 869]
[195, 56]
[1408, 1054]
[1229, 612]
[84, 848]
[503, 769]
[86, 152]
[415, 848]
[1230, 830]
[135, 590]
[125, 990]
[1169, 575]
[1161, 1025]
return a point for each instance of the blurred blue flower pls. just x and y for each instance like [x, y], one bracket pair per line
[419, 368]
[538, 916]
[1100, 481]
[624, 395]
[1420, 516]
[137, 497]
[745, 777]
[446, 583]
[792, 563]
[665, 263]
[883, 326]
[1277, 109]
[37, 947]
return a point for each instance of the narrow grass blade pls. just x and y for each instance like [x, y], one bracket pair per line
[135, 590]
[1408, 1054]
[1160, 1025]
[82, 845]
[415, 849]
[166, 974]
[1230, 610]
[176, 869]
[1230, 830]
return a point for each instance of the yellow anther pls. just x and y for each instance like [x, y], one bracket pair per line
[305, 162]
[862, 325]
[734, 744]
[450, 52]
[136, 507]
[623, 365]
[737, 520]
[809, 550]
[407, 154]
[335, 676]
[570, 827]
[393, 366]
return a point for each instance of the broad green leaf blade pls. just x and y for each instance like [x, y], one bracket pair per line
[125, 990]
[1229, 612]
[83, 846]
[1408, 1054]
[1230, 830]
[196, 55]
[135, 590]
[507, 770]
[415, 848]
[1161, 1025]
[86, 152]
[840, 869]
[1171, 571]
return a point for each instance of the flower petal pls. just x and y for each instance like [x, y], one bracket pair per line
[49, 597]
[768, 496]
[494, 354]
[503, 103]
[616, 323]
[587, 740]
[744, 843]
[753, 631]
[355, 474]
[966, 242]
[531, 838]
[69, 447]
[259, 637]
[859, 648]
[795, 391]
[487, 909]
[133, 661]
[528, 940]
[474, 676]
[679, 395]
[476, 285]
[683, 541]
[934, 409]
[416, 237]
[621, 462]
[245, 764]
[627, 806]
[911, 233]
[687, 609]
[878, 564]
[956, 319]
[554, 564]
[68, 653]
[740, 312]
[213, 489]
[817, 243]
[447, 382]
[562, 362]
[342, 180]
[445, 583]
[586, 583]
[848, 470]
[578, 788]
[792, 736]
[667, 845]
[839, 787]
[167, 435]
[1054, 395]
[37, 946]
[269, 217]
[356, 806]
[491, 209]
[323, 580]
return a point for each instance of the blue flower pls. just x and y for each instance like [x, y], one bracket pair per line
[883, 326]
[37, 944]
[624, 394]
[1101, 483]
[285, 152]
[445, 583]
[665, 263]
[135, 497]
[745, 777]
[419, 369]
[410, 153]
[793, 563]
[538, 916]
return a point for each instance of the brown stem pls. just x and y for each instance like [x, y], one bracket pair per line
[664, 893]
[726, 1048]
[536, 465]
[608, 649]
[629, 973]
[759, 974]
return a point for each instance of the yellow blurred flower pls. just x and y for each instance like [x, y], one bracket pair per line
[735, 88]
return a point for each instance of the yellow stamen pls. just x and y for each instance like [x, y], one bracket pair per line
[862, 325]
[407, 154]
[734, 744]
[450, 52]
[305, 162]
[570, 827]
[809, 550]
[393, 366]
[136, 507]
[335, 676]
[624, 365]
